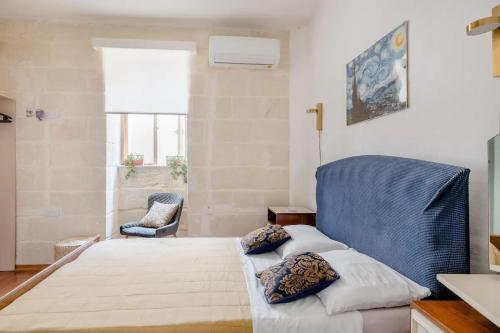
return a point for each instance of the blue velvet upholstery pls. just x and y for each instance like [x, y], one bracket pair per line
[411, 215]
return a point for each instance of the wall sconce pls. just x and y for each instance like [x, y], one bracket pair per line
[488, 24]
[319, 126]
[319, 116]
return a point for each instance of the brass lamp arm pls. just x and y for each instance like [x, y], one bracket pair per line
[319, 116]
[483, 25]
[488, 24]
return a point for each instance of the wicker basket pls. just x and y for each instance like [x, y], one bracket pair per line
[64, 247]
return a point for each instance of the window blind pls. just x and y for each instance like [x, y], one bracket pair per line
[146, 81]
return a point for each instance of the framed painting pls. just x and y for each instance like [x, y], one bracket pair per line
[377, 79]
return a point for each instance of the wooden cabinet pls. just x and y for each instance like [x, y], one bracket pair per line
[448, 316]
[291, 215]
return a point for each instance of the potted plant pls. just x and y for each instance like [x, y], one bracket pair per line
[178, 167]
[131, 162]
[138, 160]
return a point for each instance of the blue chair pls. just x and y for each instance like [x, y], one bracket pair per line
[134, 229]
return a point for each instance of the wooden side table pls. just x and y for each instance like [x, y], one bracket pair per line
[480, 291]
[291, 215]
[448, 316]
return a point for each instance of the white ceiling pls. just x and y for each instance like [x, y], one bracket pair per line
[245, 13]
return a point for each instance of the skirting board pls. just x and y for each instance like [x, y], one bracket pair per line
[31, 268]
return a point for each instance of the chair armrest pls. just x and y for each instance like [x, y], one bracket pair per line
[129, 225]
[168, 230]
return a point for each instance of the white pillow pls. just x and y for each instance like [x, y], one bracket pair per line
[307, 239]
[366, 283]
[159, 215]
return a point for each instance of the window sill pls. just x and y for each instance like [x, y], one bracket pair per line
[145, 167]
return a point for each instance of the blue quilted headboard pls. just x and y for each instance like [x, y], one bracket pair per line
[411, 215]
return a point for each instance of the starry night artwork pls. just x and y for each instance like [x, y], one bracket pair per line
[377, 78]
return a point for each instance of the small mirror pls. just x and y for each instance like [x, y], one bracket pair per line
[494, 190]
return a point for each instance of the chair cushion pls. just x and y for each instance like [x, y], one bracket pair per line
[139, 231]
[159, 215]
[296, 277]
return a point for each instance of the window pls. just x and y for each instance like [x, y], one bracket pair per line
[155, 137]
[147, 82]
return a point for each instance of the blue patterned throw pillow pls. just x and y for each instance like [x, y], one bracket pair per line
[296, 277]
[264, 239]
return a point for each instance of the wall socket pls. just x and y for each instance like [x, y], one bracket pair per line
[52, 213]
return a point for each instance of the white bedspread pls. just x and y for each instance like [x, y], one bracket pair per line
[304, 315]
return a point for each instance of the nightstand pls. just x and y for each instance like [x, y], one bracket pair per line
[291, 215]
[481, 291]
[448, 316]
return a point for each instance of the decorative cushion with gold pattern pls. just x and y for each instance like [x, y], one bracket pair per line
[296, 277]
[264, 239]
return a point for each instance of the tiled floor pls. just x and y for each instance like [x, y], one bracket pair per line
[10, 280]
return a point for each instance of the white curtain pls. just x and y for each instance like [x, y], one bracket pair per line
[148, 81]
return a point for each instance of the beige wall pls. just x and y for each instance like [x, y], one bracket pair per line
[113, 161]
[60, 162]
[238, 133]
[238, 144]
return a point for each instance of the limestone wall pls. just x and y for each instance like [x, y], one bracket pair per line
[237, 135]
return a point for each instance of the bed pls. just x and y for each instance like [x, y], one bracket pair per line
[375, 204]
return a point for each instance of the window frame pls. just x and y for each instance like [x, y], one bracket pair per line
[124, 135]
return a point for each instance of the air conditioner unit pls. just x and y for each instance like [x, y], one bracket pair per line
[244, 52]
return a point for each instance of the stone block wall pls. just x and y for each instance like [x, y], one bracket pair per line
[238, 133]
[61, 163]
[238, 145]
[113, 161]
